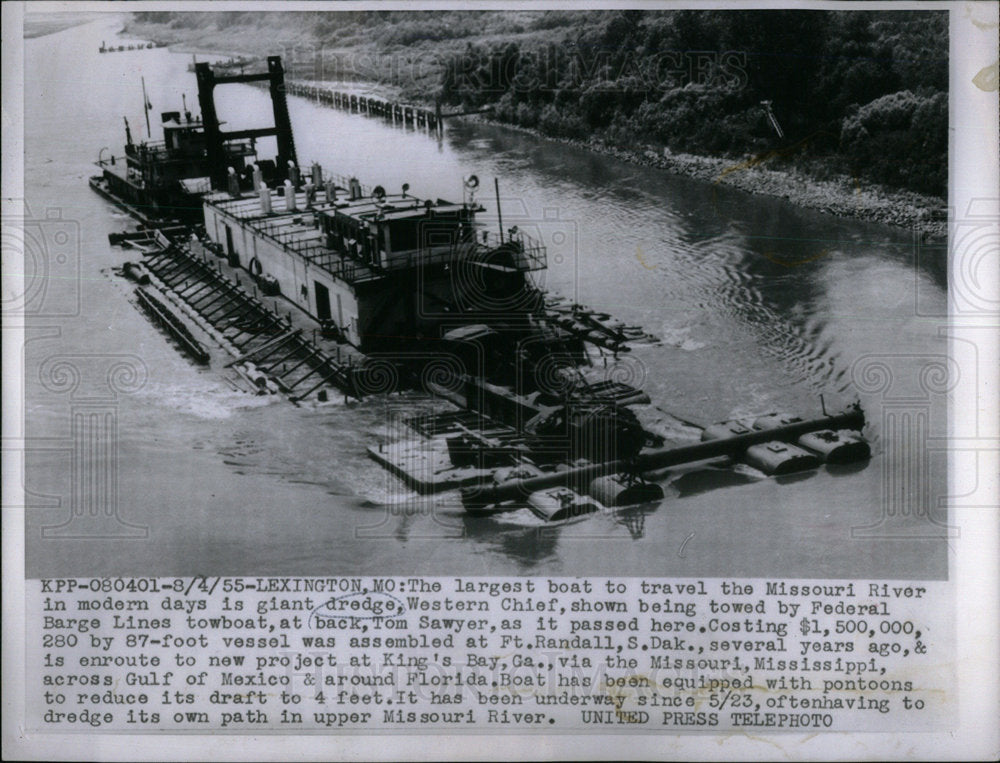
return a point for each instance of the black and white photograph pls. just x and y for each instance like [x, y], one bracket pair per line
[524, 292]
[439, 294]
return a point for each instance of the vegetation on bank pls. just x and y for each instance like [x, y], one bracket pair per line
[865, 92]
[827, 93]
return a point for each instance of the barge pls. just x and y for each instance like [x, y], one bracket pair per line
[315, 284]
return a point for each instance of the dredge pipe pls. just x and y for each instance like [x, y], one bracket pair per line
[485, 494]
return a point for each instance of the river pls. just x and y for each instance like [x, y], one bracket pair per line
[761, 306]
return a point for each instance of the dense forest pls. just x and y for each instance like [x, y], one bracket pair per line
[856, 92]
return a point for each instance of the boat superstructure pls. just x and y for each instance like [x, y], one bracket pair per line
[384, 271]
[162, 182]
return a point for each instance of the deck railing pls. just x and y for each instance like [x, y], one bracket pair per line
[524, 253]
[515, 250]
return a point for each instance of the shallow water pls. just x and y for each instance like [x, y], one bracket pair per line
[761, 306]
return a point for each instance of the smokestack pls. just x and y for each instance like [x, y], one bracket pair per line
[293, 174]
[331, 191]
[234, 183]
[355, 185]
[289, 196]
[317, 175]
[265, 198]
[309, 189]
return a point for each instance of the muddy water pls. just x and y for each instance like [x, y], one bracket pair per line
[761, 306]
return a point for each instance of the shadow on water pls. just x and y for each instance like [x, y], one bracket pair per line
[791, 479]
[633, 518]
[705, 479]
[529, 546]
[846, 470]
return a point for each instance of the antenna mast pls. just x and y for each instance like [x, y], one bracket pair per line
[145, 108]
[496, 190]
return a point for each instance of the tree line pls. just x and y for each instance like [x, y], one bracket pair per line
[847, 92]
[857, 92]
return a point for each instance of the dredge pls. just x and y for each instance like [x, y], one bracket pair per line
[308, 283]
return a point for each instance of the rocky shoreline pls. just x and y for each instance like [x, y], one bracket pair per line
[842, 196]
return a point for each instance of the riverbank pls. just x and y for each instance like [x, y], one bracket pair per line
[839, 195]
[782, 173]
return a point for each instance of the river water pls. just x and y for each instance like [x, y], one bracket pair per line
[761, 306]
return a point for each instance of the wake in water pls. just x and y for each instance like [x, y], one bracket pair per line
[715, 276]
